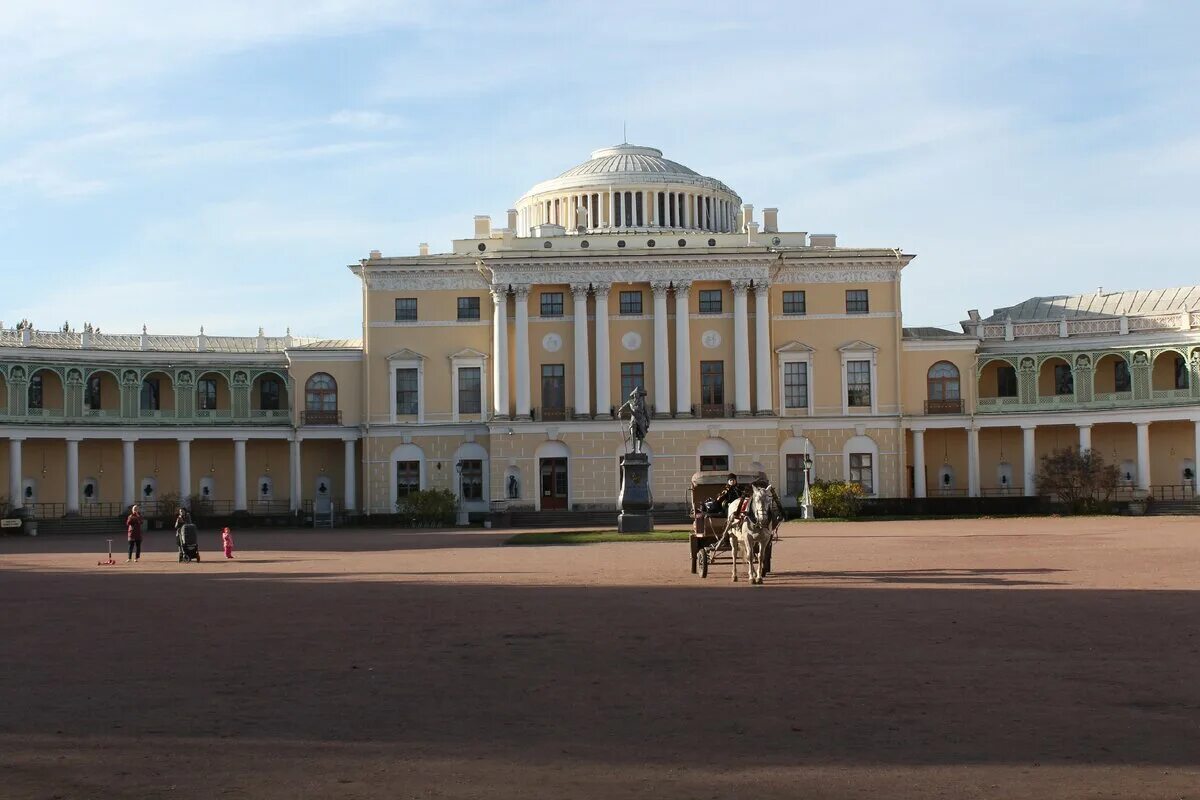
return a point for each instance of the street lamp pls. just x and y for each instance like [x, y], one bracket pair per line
[806, 508]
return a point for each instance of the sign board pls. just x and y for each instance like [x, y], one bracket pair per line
[10, 523]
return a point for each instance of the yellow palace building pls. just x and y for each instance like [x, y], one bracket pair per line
[494, 370]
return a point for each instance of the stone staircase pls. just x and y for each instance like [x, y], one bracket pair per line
[1174, 508]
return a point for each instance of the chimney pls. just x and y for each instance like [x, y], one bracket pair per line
[747, 214]
[512, 220]
[423, 249]
[483, 227]
[770, 220]
[375, 255]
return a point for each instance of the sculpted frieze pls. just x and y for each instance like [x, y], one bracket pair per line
[793, 275]
[425, 280]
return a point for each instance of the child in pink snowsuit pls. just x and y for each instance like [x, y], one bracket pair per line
[227, 541]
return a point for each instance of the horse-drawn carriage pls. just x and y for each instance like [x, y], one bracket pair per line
[710, 539]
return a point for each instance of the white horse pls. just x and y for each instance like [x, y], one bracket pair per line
[751, 535]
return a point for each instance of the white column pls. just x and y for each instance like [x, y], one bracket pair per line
[1196, 452]
[1029, 455]
[294, 475]
[500, 351]
[662, 369]
[583, 369]
[522, 296]
[128, 490]
[239, 474]
[1085, 437]
[762, 348]
[612, 208]
[918, 463]
[348, 471]
[741, 349]
[185, 471]
[603, 364]
[1143, 455]
[16, 497]
[973, 461]
[683, 351]
[72, 476]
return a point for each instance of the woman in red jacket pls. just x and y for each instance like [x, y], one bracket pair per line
[133, 527]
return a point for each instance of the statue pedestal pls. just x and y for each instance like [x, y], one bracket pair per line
[635, 500]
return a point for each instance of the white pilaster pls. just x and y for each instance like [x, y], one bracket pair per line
[1085, 437]
[522, 295]
[500, 354]
[741, 349]
[349, 470]
[295, 488]
[762, 348]
[662, 369]
[973, 461]
[683, 351]
[16, 497]
[239, 474]
[1029, 455]
[603, 361]
[1143, 455]
[583, 369]
[919, 463]
[185, 471]
[72, 476]
[128, 489]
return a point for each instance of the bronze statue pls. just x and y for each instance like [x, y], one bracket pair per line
[639, 417]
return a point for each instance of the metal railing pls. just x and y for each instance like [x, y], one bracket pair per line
[954, 406]
[314, 417]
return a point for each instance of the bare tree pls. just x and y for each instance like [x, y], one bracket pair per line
[1081, 480]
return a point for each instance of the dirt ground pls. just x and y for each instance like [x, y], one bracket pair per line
[1031, 658]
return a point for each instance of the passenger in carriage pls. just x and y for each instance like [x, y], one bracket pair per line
[733, 500]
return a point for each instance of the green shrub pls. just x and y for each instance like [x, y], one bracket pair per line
[838, 499]
[429, 507]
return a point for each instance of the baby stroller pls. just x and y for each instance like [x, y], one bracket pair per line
[185, 537]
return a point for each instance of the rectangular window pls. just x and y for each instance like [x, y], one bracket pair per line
[633, 375]
[714, 463]
[91, 393]
[710, 301]
[268, 394]
[793, 303]
[472, 479]
[470, 397]
[206, 394]
[468, 308]
[1121, 382]
[35, 392]
[552, 304]
[795, 474]
[1181, 373]
[858, 384]
[150, 397]
[795, 384]
[406, 309]
[1006, 381]
[712, 383]
[1064, 381]
[554, 387]
[408, 478]
[860, 472]
[406, 391]
[856, 301]
[631, 302]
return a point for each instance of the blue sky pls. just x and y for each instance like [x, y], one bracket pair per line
[220, 163]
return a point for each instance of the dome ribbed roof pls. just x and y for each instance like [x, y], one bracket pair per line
[630, 165]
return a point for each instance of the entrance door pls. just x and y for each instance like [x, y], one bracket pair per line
[554, 483]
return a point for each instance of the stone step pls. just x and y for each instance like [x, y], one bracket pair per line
[1174, 508]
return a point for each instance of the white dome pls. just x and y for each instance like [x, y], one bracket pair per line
[628, 187]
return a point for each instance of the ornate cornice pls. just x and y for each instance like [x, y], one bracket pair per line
[425, 280]
[863, 272]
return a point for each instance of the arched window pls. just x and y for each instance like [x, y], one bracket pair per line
[944, 396]
[320, 393]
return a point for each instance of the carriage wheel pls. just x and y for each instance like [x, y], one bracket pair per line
[703, 563]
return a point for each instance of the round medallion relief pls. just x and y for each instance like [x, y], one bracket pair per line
[551, 342]
[631, 341]
[710, 339]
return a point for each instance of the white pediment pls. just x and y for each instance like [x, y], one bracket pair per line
[857, 346]
[404, 354]
[794, 347]
[467, 353]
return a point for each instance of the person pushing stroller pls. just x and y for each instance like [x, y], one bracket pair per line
[185, 536]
